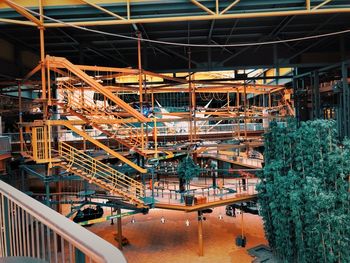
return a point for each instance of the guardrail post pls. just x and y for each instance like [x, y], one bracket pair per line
[6, 230]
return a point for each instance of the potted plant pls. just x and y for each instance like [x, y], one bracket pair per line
[186, 170]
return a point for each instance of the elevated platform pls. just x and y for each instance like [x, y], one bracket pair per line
[232, 200]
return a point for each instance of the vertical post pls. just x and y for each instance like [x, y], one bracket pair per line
[242, 224]
[140, 83]
[245, 111]
[128, 9]
[152, 98]
[200, 233]
[21, 139]
[190, 96]
[42, 59]
[48, 83]
[308, 5]
[155, 137]
[194, 111]
[228, 101]
[7, 252]
[49, 144]
[316, 95]
[346, 99]
[238, 117]
[47, 191]
[119, 225]
[84, 140]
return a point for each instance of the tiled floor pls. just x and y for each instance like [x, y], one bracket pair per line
[151, 241]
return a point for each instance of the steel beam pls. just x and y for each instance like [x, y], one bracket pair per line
[203, 7]
[17, 22]
[103, 9]
[229, 7]
[200, 17]
[322, 4]
[24, 12]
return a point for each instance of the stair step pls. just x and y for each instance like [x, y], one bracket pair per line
[64, 163]
[74, 168]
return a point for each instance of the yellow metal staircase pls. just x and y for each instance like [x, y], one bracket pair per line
[101, 174]
[101, 118]
[75, 72]
[83, 134]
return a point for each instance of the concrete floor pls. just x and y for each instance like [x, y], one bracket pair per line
[151, 241]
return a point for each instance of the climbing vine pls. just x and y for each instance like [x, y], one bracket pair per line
[304, 193]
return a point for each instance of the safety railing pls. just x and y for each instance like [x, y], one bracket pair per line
[99, 171]
[168, 192]
[75, 72]
[31, 229]
[95, 113]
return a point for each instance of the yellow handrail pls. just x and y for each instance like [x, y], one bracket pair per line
[84, 103]
[101, 171]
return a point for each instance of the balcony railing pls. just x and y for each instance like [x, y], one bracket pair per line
[30, 229]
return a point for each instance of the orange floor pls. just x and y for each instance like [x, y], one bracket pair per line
[152, 241]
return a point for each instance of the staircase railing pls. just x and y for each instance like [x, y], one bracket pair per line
[97, 170]
[58, 62]
[31, 229]
[88, 109]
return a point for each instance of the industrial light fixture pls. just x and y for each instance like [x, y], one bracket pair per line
[133, 220]
[187, 222]
[162, 220]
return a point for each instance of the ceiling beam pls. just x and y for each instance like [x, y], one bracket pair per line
[19, 9]
[322, 4]
[203, 7]
[17, 22]
[200, 17]
[229, 7]
[103, 9]
[307, 4]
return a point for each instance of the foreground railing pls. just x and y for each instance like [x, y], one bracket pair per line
[30, 229]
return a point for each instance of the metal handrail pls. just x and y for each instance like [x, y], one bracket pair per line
[113, 177]
[19, 209]
[76, 100]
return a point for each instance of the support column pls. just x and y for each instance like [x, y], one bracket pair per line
[47, 191]
[20, 119]
[119, 226]
[200, 233]
[346, 99]
[316, 96]
[245, 112]
[190, 102]
[42, 59]
[238, 117]
[140, 84]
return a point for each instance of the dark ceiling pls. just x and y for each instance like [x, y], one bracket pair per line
[90, 48]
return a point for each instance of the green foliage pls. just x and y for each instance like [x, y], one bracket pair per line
[187, 169]
[304, 193]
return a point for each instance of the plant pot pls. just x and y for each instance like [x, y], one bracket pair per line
[188, 199]
[241, 241]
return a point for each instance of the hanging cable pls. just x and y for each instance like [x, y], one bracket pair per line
[184, 44]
